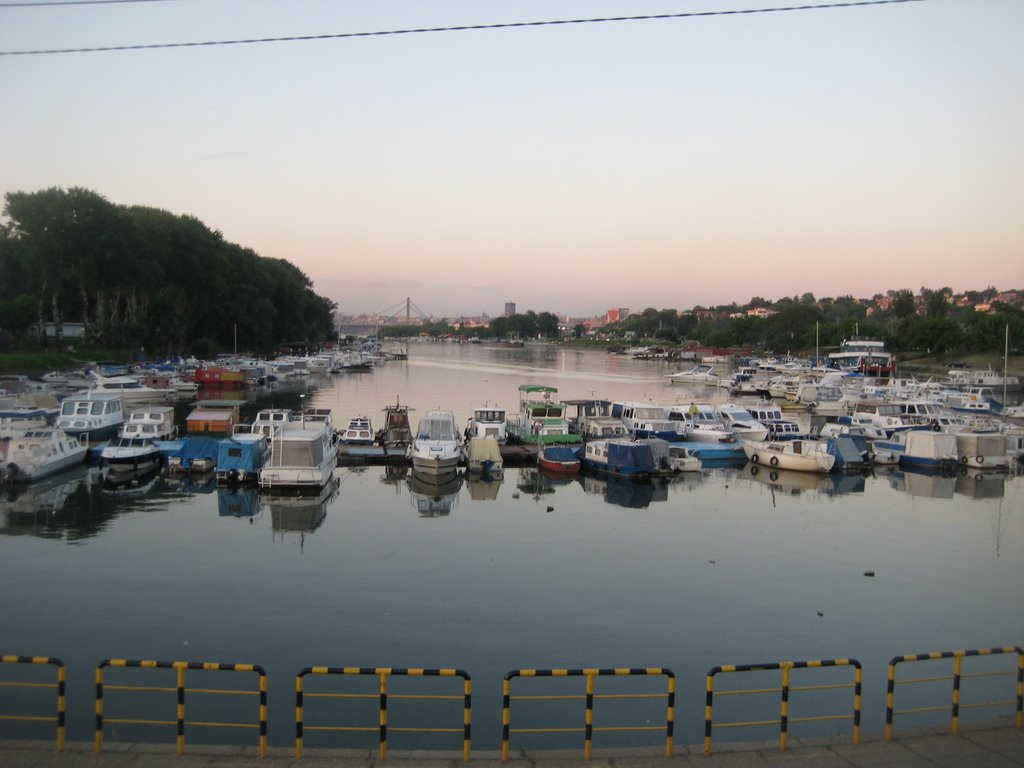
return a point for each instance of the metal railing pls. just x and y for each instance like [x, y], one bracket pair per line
[59, 686]
[589, 697]
[382, 696]
[955, 706]
[784, 690]
[180, 690]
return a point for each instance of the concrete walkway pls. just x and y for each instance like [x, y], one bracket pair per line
[999, 745]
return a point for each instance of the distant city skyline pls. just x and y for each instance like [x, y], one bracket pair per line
[570, 168]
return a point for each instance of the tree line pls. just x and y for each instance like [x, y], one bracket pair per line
[145, 279]
[927, 323]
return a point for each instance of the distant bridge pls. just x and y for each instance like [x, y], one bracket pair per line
[397, 314]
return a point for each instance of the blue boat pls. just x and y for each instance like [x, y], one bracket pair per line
[241, 457]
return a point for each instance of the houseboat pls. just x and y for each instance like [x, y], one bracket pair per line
[796, 454]
[136, 447]
[303, 449]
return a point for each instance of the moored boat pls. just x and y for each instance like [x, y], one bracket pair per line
[303, 449]
[488, 421]
[561, 459]
[542, 417]
[436, 449]
[796, 454]
[359, 431]
[39, 453]
[136, 447]
[91, 415]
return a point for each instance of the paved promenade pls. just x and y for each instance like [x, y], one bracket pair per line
[995, 746]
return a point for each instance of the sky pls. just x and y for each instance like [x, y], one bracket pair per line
[568, 168]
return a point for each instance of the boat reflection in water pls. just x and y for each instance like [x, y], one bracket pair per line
[130, 483]
[981, 484]
[433, 499]
[483, 487]
[623, 492]
[301, 513]
[794, 482]
[28, 508]
[238, 502]
[195, 482]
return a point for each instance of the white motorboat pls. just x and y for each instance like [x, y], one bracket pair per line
[649, 420]
[699, 374]
[436, 449]
[303, 449]
[488, 421]
[358, 432]
[769, 414]
[682, 459]
[133, 392]
[742, 422]
[799, 455]
[701, 422]
[39, 453]
[92, 415]
[135, 447]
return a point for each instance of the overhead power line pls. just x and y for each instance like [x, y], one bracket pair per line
[463, 28]
[46, 3]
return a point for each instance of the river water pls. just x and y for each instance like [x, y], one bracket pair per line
[705, 570]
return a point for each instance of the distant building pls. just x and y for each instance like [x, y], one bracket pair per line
[617, 315]
[510, 308]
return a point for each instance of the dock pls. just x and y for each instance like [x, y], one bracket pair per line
[518, 455]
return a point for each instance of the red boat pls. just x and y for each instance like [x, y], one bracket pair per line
[559, 458]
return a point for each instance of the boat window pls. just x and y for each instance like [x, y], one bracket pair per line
[97, 409]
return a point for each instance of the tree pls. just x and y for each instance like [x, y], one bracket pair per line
[903, 304]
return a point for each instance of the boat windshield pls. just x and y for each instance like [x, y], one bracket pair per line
[436, 429]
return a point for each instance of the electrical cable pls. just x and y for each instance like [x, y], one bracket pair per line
[463, 28]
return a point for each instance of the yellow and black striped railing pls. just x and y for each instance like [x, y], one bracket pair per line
[59, 718]
[589, 697]
[784, 720]
[180, 690]
[956, 677]
[382, 697]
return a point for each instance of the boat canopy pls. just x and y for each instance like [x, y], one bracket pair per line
[238, 455]
[197, 448]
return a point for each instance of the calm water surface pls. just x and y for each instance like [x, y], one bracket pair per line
[720, 568]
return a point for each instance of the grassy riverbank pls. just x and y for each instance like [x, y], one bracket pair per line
[36, 363]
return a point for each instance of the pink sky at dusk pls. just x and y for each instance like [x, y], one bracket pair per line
[570, 168]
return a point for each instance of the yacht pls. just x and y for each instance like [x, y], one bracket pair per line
[699, 374]
[436, 449]
[133, 392]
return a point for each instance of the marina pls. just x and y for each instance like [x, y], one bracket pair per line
[530, 570]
